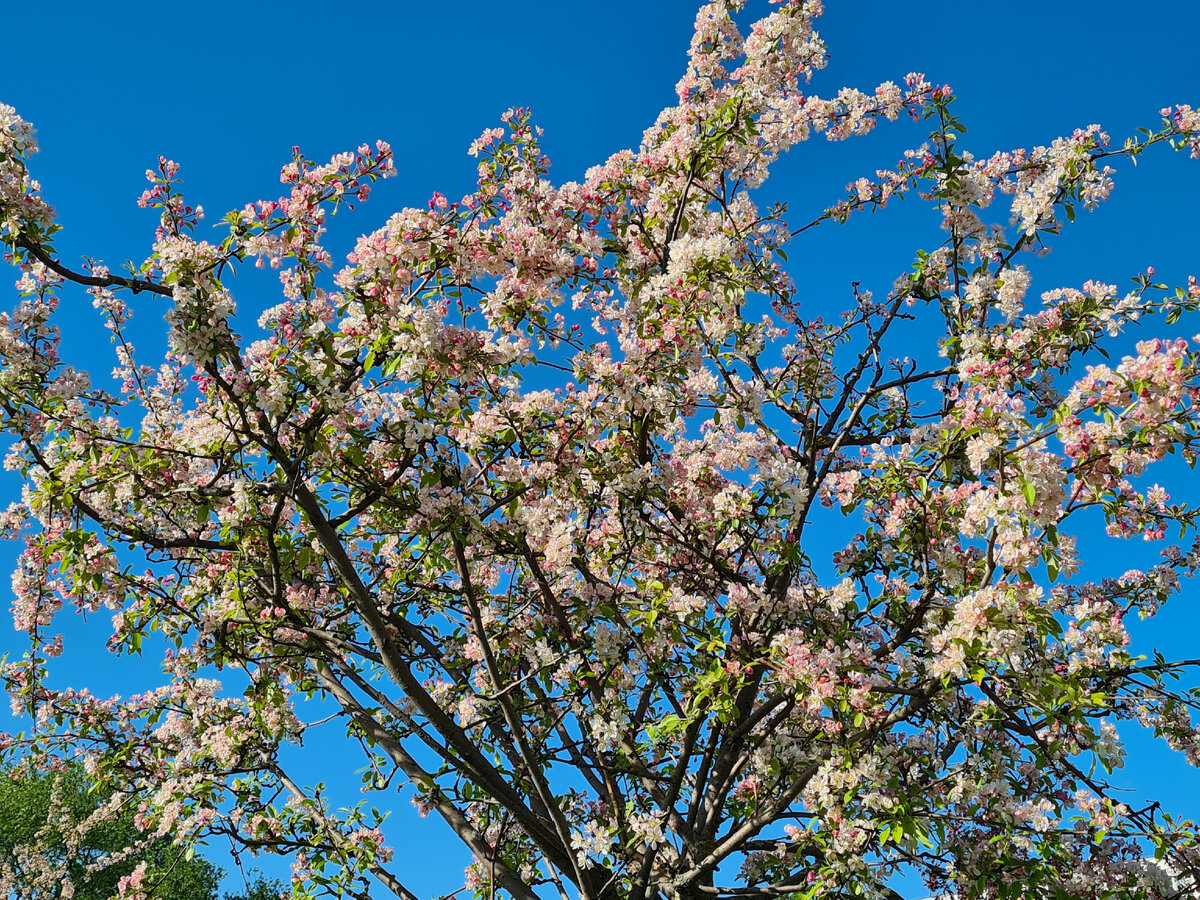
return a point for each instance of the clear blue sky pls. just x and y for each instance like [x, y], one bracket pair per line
[226, 90]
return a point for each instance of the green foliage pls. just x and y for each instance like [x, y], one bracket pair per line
[260, 888]
[26, 804]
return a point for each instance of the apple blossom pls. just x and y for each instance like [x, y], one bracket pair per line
[528, 492]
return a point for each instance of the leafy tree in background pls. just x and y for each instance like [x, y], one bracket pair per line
[48, 813]
[526, 490]
[51, 837]
[259, 887]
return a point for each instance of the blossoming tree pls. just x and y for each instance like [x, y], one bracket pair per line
[524, 493]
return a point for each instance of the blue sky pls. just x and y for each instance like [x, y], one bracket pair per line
[227, 89]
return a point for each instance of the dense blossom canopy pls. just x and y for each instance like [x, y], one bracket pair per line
[524, 493]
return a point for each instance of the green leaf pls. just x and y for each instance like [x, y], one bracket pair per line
[1028, 491]
[1052, 569]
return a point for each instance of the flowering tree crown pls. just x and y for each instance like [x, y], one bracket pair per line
[525, 493]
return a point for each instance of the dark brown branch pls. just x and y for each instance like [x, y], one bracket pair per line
[137, 285]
